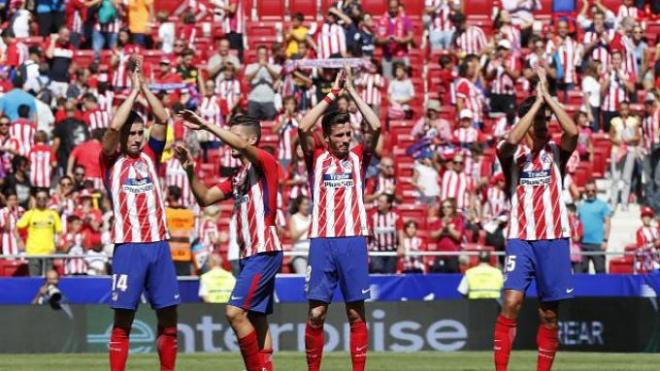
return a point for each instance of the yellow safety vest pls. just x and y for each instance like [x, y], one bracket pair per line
[181, 224]
[217, 284]
[484, 282]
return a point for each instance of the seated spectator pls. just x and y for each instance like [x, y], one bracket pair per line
[384, 184]
[220, 60]
[262, 76]
[73, 246]
[297, 181]
[298, 230]
[411, 243]
[426, 178]
[432, 125]
[298, 34]
[386, 227]
[466, 134]
[400, 93]
[625, 136]
[216, 285]
[648, 243]
[585, 148]
[96, 258]
[595, 216]
[447, 232]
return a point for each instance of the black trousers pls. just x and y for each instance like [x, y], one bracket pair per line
[50, 23]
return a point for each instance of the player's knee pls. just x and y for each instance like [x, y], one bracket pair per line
[511, 306]
[548, 317]
[354, 315]
[167, 317]
[317, 315]
[235, 314]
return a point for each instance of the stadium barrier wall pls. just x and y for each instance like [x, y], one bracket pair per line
[586, 324]
[290, 288]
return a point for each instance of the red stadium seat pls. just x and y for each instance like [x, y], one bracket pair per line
[13, 268]
[270, 9]
[374, 7]
[306, 7]
[621, 265]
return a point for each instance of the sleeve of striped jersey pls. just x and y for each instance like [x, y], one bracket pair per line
[462, 89]
[225, 187]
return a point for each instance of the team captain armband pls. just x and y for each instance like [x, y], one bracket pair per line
[332, 96]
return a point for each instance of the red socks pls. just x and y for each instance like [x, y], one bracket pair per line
[314, 346]
[548, 341]
[359, 345]
[167, 347]
[118, 348]
[505, 333]
[267, 358]
[250, 351]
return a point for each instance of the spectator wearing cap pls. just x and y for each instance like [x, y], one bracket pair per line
[220, 60]
[457, 185]
[595, 216]
[331, 39]
[262, 77]
[466, 134]
[650, 151]
[482, 281]
[394, 35]
[502, 71]
[15, 98]
[647, 256]
[432, 125]
[625, 136]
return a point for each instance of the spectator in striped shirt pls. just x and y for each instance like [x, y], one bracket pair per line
[651, 151]
[410, 243]
[386, 228]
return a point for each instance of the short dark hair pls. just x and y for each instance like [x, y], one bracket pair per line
[298, 16]
[11, 191]
[248, 122]
[174, 192]
[484, 256]
[527, 104]
[133, 118]
[18, 81]
[23, 111]
[333, 118]
[90, 97]
[463, 67]
[408, 223]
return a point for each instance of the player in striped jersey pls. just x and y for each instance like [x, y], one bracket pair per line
[94, 116]
[142, 256]
[338, 248]
[539, 231]
[254, 191]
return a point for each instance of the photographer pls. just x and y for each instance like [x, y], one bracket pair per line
[49, 292]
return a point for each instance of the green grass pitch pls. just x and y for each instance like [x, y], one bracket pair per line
[292, 361]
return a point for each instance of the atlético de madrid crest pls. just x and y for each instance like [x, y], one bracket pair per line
[347, 166]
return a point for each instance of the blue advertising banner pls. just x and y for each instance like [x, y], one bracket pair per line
[290, 288]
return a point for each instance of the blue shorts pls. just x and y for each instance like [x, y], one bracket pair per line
[547, 261]
[255, 286]
[138, 267]
[340, 260]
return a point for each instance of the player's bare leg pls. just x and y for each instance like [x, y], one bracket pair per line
[547, 337]
[247, 337]
[260, 323]
[119, 342]
[314, 339]
[505, 327]
[359, 334]
[166, 342]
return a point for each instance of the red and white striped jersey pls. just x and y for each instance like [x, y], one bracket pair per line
[210, 110]
[616, 92]
[472, 96]
[647, 237]
[440, 21]
[76, 264]
[371, 84]
[96, 119]
[175, 175]
[228, 91]
[298, 172]
[472, 41]
[135, 192]
[629, 60]
[41, 157]
[651, 130]
[235, 22]
[8, 219]
[466, 136]
[627, 11]
[502, 83]
[106, 101]
[337, 192]
[569, 56]
[412, 244]
[120, 78]
[384, 227]
[331, 40]
[495, 203]
[209, 233]
[537, 210]
[457, 186]
[286, 135]
[512, 33]
[254, 189]
[23, 130]
[600, 52]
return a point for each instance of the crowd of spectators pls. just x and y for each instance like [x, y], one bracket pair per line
[445, 85]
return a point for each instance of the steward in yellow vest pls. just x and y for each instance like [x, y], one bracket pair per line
[483, 281]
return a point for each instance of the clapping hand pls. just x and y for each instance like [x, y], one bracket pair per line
[183, 155]
[193, 121]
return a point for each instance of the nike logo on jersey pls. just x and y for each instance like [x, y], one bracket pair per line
[366, 291]
[568, 291]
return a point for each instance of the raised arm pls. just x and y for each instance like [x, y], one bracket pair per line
[518, 131]
[195, 122]
[205, 196]
[569, 138]
[368, 115]
[306, 128]
[111, 137]
[159, 130]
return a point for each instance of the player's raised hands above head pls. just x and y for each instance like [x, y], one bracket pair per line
[193, 121]
[183, 155]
